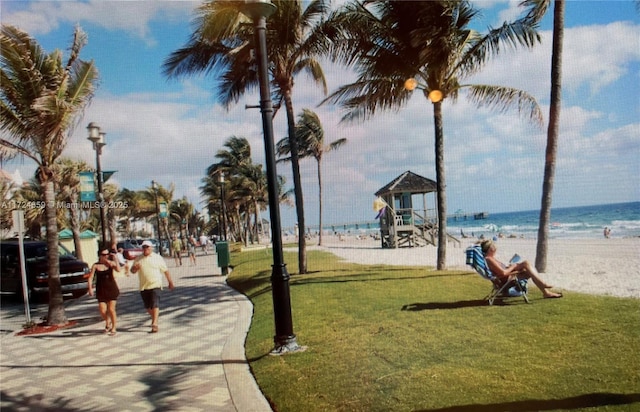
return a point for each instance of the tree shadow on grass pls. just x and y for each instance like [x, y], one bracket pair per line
[368, 277]
[260, 283]
[590, 400]
[417, 307]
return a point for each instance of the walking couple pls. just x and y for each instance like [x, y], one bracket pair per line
[149, 266]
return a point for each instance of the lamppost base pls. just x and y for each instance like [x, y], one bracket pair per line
[288, 345]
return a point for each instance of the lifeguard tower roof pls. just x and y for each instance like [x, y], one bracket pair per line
[408, 182]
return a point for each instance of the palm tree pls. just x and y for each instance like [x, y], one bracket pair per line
[7, 190]
[41, 100]
[110, 193]
[397, 46]
[538, 9]
[68, 171]
[232, 160]
[310, 138]
[210, 190]
[165, 195]
[256, 184]
[181, 210]
[245, 186]
[223, 43]
[34, 218]
[134, 210]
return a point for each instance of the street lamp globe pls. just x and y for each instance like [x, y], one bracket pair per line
[94, 132]
[410, 84]
[435, 96]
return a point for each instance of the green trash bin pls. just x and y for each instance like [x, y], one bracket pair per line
[224, 258]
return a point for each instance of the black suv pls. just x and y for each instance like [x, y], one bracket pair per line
[73, 272]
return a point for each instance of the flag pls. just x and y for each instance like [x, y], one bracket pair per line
[87, 187]
[380, 206]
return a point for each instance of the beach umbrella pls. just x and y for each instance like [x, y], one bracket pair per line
[492, 227]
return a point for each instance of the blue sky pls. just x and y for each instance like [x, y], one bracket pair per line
[169, 131]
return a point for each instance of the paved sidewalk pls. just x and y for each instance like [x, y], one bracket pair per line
[195, 362]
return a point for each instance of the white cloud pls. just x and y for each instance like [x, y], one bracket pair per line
[511, 13]
[593, 57]
[42, 17]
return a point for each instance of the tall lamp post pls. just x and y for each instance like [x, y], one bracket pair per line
[284, 339]
[154, 186]
[97, 138]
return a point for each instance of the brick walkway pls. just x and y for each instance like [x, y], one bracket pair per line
[195, 363]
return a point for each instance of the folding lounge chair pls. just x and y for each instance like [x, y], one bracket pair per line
[511, 288]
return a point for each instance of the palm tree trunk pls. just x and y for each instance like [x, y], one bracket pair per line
[297, 184]
[441, 187]
[56, 314]
[319, 203]
[257, 219]
[552, 135]
[113, 233]
[247, 227]
[165, 224]
[74, 217]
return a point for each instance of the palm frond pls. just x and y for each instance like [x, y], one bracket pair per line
[363, 98]
[537, 9]
[503, 99]
[41, 96]
[518, 33]
[314, 69]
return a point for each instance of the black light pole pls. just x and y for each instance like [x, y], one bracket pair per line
[223, 208]
[154, 185]
[284, 339]
[97, 138]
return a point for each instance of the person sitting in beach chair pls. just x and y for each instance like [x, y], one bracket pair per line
[501, 288]
[515, 270]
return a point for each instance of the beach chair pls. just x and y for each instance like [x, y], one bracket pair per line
[512, 288]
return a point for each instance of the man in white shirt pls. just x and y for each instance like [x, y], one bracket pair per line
[204, 240]
[150, 267]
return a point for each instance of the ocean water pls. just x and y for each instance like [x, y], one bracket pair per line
[623, 219]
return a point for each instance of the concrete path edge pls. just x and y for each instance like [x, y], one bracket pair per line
[245, 393]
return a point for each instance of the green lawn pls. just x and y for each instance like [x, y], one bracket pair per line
[388, 338]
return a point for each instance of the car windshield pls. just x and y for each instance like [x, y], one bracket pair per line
[63, 251]
[39, 251]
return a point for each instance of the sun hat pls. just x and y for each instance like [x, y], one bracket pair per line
[147, 243]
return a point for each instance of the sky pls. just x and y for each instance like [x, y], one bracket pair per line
[170, 130]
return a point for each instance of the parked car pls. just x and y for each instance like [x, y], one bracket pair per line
[130, 248]
[74, 273]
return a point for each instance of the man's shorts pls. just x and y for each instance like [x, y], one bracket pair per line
[151, 298]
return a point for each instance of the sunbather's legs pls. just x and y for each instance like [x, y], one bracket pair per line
[526, 270]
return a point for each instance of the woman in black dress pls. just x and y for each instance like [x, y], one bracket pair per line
[107, 290]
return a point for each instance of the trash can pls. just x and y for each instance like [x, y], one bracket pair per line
[222, 249]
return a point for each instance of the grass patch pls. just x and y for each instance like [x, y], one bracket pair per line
[388, 338]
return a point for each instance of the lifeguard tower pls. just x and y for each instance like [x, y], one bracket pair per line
[402, 225]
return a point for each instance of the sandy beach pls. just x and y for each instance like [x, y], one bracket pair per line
[595, 266]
